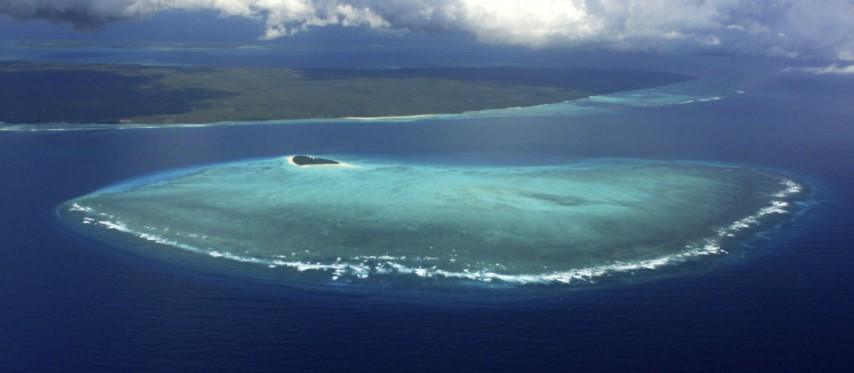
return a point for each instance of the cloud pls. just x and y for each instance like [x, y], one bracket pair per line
[780, 28]
[80, 13]
[832, 69]
[282, 17]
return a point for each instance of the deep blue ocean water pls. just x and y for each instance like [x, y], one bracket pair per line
[784, 302]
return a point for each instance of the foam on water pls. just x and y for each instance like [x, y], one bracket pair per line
[489, 224]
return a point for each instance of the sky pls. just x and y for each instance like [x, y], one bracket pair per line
[820, 30]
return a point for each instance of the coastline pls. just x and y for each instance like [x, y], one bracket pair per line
[594, 104]
[124, 94]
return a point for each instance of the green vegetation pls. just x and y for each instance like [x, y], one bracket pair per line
[41, 93]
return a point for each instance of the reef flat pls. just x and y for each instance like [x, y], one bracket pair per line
[519, 224]
[35, 93]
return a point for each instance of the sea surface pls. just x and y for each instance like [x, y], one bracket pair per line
[780, 298]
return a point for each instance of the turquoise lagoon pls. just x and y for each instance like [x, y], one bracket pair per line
[370, 218]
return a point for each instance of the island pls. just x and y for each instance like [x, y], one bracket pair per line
[43, 92]
[384, 220]
[307, 160]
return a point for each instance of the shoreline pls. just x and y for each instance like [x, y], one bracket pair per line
[592, 104]
[176, 95]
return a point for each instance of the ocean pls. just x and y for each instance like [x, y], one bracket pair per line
[781, 299]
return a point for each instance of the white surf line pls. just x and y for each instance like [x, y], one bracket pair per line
[405, 117]
[384, 265]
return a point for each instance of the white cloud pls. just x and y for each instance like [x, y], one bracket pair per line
[781, 28]
[532, 23]
[832, 69]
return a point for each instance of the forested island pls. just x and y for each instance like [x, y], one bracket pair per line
[35, 93]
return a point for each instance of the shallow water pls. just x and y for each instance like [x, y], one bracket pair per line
[515, 224]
